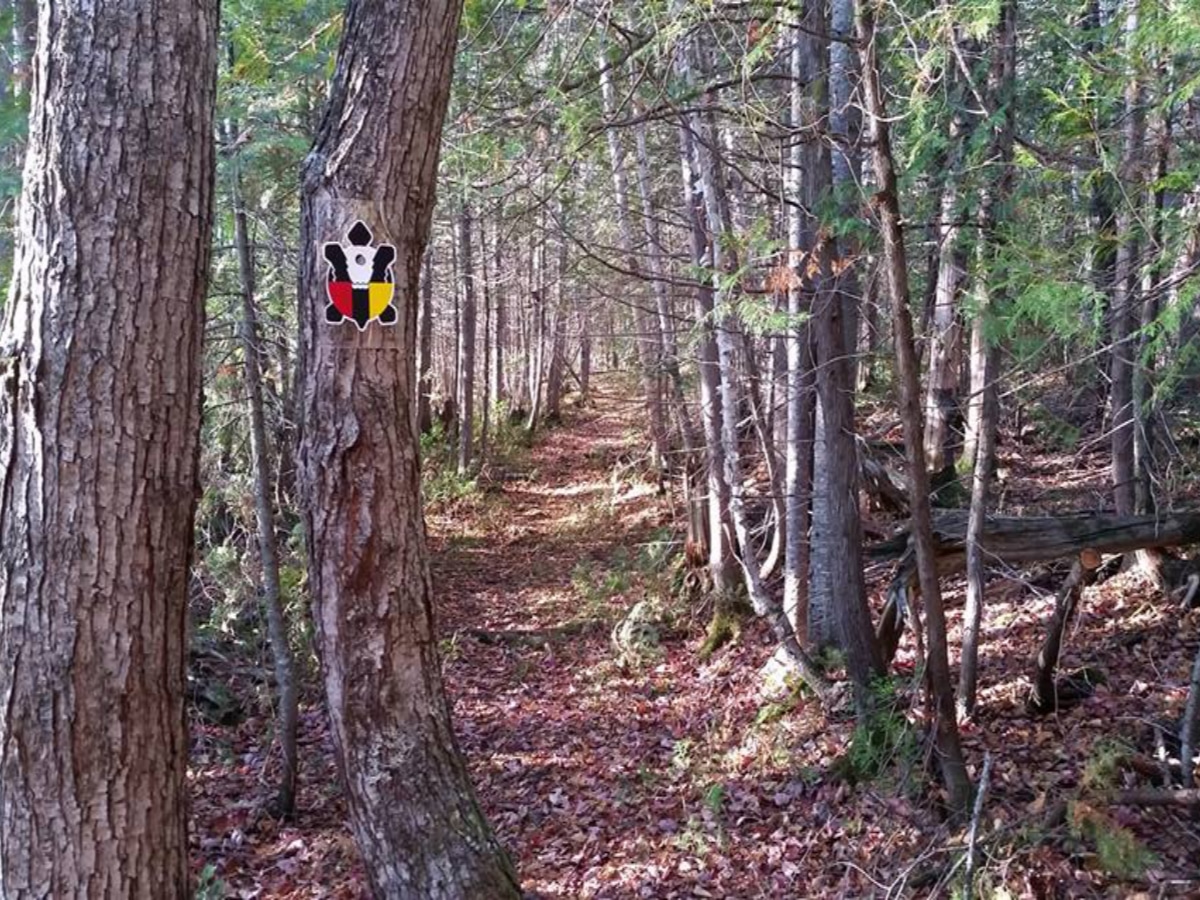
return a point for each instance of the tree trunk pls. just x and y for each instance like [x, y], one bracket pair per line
[1124, 345]
[24, 43]
[499, 356]
[724, 263]
[466, 342]
[954, 771]
[720, 549]
[845, 132]
[100, 385]
[984, 402]
[945, 339]
[486, 287]
[843, 528]
[558, 327]
[1044, 691]
[424, 367]
[649, 338]
[536, 346]
[809, 621]
[264, 508]
[412, 809]
[662, 297]
[1145, 407]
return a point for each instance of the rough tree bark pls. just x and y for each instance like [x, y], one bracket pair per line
[100, 385]
[412, 808]
[835, 379]
[895, 266]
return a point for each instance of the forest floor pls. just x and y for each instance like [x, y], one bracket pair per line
[664, 775]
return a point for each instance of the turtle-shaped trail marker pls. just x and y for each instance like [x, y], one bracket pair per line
[361, 284]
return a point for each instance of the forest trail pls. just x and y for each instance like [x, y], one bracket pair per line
[667, 776]
[555, 732]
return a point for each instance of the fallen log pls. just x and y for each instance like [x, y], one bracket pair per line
[1041, 538]
[1021, 540]
[1153, 797]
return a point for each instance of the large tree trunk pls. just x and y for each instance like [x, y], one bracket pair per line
[412, 808]
[887, 203]
[100, 400]
[843, 528]
[264, 507]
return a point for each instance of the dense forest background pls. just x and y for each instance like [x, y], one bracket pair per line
[806, 401]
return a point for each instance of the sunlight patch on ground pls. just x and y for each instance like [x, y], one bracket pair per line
[571, 490]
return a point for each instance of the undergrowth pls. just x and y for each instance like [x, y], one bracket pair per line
[885, 748]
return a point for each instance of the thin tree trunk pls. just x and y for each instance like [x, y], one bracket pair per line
[887, 204]
[945, 339]
[1124, 346]
[424, 367]
[1145, 407]
[984, 402]
[583, 319]
[466, 342]
[537, 332]
[845, 132]
[558, 328]
[649, 337]
[264, 508]
[24, 43]
[100, 386]
[499, 357]
[1044, 693]
[662, 297]
[720, 550]
[485, 281]
[808, 488]
[412, 809]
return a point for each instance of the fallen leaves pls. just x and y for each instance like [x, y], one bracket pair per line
[674, 778]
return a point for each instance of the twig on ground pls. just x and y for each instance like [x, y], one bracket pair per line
[980, 797]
